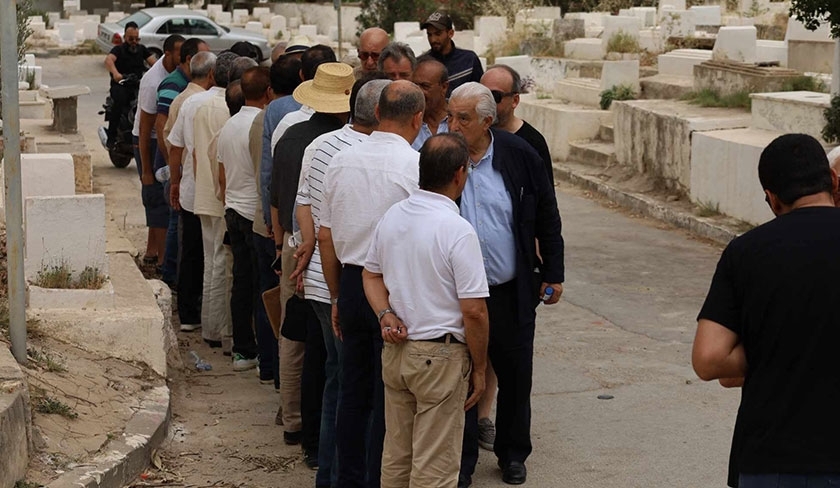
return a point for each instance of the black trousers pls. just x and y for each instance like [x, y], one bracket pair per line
[190, 267]
[121, 96]
[511, 351]
[243, 294]
[312, 381]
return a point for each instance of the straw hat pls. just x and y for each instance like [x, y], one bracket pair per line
[329, 91]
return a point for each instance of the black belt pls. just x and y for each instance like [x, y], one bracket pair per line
[442, 339]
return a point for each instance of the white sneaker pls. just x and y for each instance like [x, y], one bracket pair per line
[190, 327]
[241, 363]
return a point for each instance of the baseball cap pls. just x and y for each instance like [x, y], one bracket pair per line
[438, 19]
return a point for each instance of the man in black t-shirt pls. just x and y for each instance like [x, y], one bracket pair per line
[505, 84]
[770, 324]
[129, 58]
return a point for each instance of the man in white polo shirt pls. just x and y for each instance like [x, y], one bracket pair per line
[424, 278]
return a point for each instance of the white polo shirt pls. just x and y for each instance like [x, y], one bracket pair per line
[430, 259]
[147, 94]
[361, 183]
[234, 152]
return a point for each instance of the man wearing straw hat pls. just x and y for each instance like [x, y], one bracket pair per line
[328, 94]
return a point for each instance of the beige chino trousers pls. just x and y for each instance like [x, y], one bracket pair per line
[291, 352]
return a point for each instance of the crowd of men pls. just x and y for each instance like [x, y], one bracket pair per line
[373, 236]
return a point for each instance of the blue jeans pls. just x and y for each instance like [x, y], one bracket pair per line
[169, 271]
[267, 279]
[360, 422]
[777, 480]
[327, 458]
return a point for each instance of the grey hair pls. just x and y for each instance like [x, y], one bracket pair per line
[224, 65]
[201, 64]
[241, 65]
[366, 100]
[485, 106]
[398, 51]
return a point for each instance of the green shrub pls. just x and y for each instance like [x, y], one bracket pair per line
[622, 42]
[831, 131]
[617, 92]
[711, 98]
[805, 83]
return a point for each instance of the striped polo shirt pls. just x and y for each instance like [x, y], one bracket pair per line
[171, 86]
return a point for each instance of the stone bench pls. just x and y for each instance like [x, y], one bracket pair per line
[65, 106]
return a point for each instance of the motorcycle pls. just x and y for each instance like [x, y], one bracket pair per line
[121, 150]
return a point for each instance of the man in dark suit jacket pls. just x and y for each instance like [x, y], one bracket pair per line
[511, 203]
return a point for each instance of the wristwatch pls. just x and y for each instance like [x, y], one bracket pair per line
[383, 312]
[334, 301]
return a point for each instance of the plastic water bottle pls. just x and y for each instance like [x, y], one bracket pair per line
[200, 364]
[547, 294]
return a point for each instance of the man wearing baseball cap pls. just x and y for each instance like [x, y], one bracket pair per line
[462, 64]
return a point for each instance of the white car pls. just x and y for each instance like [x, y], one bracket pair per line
[156, 24]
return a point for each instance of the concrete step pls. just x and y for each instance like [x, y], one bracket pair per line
[605, 133]
[594, 153]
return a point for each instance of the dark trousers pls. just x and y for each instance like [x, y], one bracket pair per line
[776, 480]
[190, 268]
[327, 455]
[243, 293]
[360, 422]
[269, 360]
[172, 249]
[511, 351]
[121, 96]
[312, 381]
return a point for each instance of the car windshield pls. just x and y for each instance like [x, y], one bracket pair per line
[141, 18]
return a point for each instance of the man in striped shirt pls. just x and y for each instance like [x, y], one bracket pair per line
[309, 200]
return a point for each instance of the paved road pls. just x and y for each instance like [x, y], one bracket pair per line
[624, 328]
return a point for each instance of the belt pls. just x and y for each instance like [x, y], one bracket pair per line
[443, 339]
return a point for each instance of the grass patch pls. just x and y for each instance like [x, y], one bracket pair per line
[50, 405]
[618, 92]
[708, 209]
[805, 83]
[622, 42]
[60, 276]
[26, 484]
[711, 98]
[46, 360]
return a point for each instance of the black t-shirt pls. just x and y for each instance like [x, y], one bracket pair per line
[128, 62]
[778, 288]
[537, 141]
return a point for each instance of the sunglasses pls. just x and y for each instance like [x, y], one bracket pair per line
[498, 96]
[364, 55]
[132, 38]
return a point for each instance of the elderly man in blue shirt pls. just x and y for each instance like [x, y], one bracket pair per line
[511, 203]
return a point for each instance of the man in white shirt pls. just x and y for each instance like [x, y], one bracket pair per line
[310, 197]
[239, 185]
[362, 182]
[145, 139]
[425, 278]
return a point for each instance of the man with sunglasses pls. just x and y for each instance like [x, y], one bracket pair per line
[126, 59]
[505, 84]
[462, 64]
[371, 43]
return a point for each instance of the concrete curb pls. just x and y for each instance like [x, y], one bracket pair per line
[15, 420]
[648, 207]
[124, 458]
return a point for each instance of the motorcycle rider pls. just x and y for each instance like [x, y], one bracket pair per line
[126, 59]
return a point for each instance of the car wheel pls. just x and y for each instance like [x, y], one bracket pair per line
[258, 52]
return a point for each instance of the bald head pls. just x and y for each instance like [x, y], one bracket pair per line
[371, 43]
[400, 101]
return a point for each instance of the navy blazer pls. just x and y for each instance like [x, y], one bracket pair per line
[535, 217]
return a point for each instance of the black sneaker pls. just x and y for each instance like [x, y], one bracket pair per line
[292, 438]
[310, 459]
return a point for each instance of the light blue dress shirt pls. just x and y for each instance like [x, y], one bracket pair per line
[425, 133]
[486, 204]
[274, 113]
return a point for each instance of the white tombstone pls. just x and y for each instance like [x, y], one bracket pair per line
[278, 24]
[522, 64]
[403, 29]
[736, 44]
[258, 12]
[46, 175]
[625, 12]
[253, 26]
[265, 19]
[706, 14]
[294, 22]
[418, 44]
[31, 72]
[213, 10]
[224, 18]
[53, 18]
[673, 4]
[490, 28]
[676, 23]
[546, 12]
[647, 14]
[768, 51]
[308, 30]
[65, 230]
[66, 33]
[70, 5]
[464, 39]
[90, 29]
[240, 16]
[29, 59]
[617, 73]
[796, 31]
[114, 17]
[615, 24]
